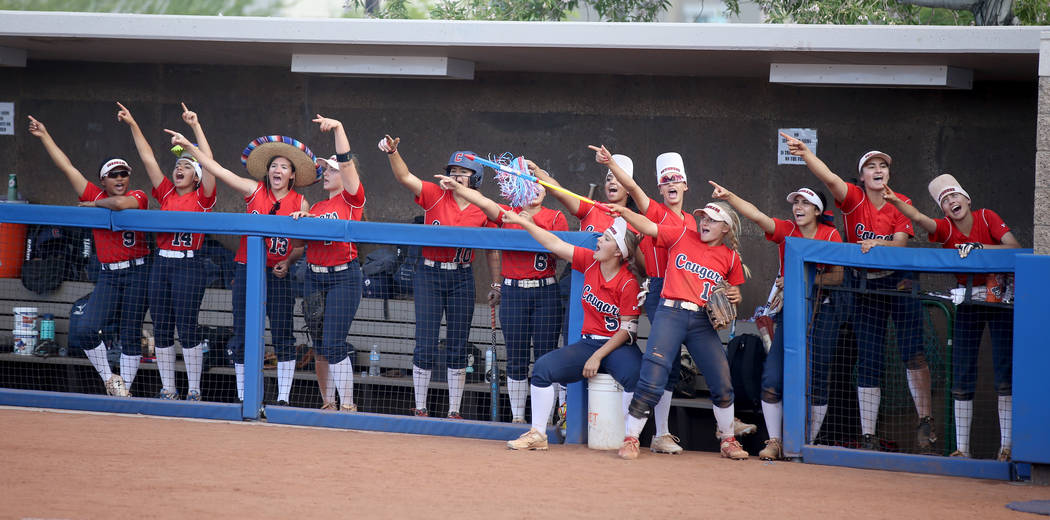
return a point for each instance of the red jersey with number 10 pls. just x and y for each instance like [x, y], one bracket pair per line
[440, 209]
[117, 246]
[656, 256]
[261, 202]
[343, 206]
[865, 222]
[694, 268]
[170, 200]
[604, 301]
[527, 265]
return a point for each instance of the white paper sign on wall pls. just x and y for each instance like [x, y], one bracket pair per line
[806, 135]
[7, 118]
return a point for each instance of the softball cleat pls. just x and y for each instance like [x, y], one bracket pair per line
[115, 386]
[530, 440]
[629, 450]
[665, 444]
[731, 449]
[772, 451]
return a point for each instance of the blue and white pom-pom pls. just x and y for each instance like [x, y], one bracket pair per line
[516, 189]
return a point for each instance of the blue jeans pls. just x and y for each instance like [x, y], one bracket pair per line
[437, 292]
[821, 339]
[528, 316]
[279, 306]
[970, 320]
[652, 302]
[671, 328]
[176, 288]
[870, 320]
[123, 291]
[342, 296]
[565, 365]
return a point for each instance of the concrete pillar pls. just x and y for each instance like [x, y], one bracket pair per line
[1041, 231]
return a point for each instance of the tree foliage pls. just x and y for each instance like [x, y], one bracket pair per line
[887, 12]
[521, 10]
[183, 7]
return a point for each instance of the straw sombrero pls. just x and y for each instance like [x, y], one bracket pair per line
[256, 157]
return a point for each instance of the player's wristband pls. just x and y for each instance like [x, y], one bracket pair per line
[496, 285]
[344, 157]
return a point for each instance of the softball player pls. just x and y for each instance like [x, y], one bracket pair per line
[334, 268]
[807, 207]
[871, 222]
[280, 161]
[966, 230]
[124, 276]
[700, 260]
[177, 277]
[610, 321]
[444, 282]
[530, 307]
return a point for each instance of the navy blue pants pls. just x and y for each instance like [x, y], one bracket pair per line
[970, 320]
[872, 313]
[279, 305]
[528, 316]
[449, 292]
[652, 302]
[670, 329]
[821, 340]
[565, 365]
[342, 296]
[123, 291]
[176, 288]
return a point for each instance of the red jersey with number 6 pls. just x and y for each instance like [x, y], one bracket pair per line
[604, 301]
[345, 206]
[694, 268]
[988, 228]
[170, 200]
[656, 256]
[527, 265]
[864, 221]
[117, 246]
[262, 202]
[440, 209]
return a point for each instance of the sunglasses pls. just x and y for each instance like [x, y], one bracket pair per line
[118, 174]
[276, 207]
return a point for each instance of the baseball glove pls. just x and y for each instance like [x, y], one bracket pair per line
[719, 310]
[313, 314]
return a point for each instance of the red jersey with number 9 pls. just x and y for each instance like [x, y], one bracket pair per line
[343, 206]
[693, 267]
[170, 200]
[528, 265]
[117, 246]
[656, 256]
[261, 202]
[604, 301]
[440, 209]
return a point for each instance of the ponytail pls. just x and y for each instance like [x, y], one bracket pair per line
[633, 264]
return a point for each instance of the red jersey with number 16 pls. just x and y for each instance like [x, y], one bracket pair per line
[865, 222]
[440, 209]
[170, 200]
[527, 265]
[604, 301]
[693, 267]
[117, 246]
[656, 256]
[343, 206]
[261, 202]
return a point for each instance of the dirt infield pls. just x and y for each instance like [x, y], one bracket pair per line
[82, 465]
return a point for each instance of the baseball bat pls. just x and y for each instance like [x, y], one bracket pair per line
[493, 371]
[507, 169]
[590, 190]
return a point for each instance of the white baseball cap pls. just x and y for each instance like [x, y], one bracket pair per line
[944, 185]
[714, 212]
[871, 155]
[670, 168]
[809, 195]
[331, 162]
[618, 230]
[625, 163]
[113, 164]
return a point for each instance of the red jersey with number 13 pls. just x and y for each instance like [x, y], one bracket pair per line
[527, 265]
[170, 200]
[440, 209]
[693, 267]
[343, 206]
[604, 301]
[261, 202]
[117, 246]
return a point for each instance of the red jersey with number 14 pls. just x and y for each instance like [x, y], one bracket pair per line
[343, 206]
[261, 202]
[440, 209]
[527, 265]
[865, 222]
[988, 228]
[117, 246]
[604, 301]
[170, 200]
[656, 256]
[693, 267]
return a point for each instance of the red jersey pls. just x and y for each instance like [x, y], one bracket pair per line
[592, 218]
[261, 202]
[526, 265]
[695, 267]
[170, 200]
[117, 246]
[788, 228]
[604, 302]
[656, 256]
[440, 209]
[988, 228]
[346, 207]
[864, 222]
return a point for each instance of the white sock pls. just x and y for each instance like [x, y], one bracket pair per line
[773, 413]
[194, 359]
[129, 366]
[342, 377]
[816, 420]
[542, 403]
[963, 419]
[518, 391]
[635, 425]
[724, 418]
[868, 400]
[661, 412]
[627, 397]
[919, 384]
[330, 384]
[98, 359]
[285, 375]
[420, 382]
[238, 369]
[1006, 407]
[166, 366]
[457, 378]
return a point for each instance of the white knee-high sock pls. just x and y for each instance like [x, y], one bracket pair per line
[919, 384]
[285, 375]
[963, 419]
[627, 397]
[724, 418]
[166, 367]
[542, 403]
[661, 413]
[816, 420]
[457, 378]
[635, 425]
[1006, 407]
[420, 382]
[342, 374]
[330, 384]
[98, 359]
[194, 359]
[773, 414]
[238, 369]
[129, 366]
[868, 400]
[518, 391]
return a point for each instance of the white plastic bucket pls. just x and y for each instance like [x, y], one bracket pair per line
[605, 421]
[25, 319]
[25, 342]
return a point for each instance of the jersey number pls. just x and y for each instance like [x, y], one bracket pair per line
[612, 323]
[129, 238]
[463, 255]
[278, 246]
[706, 293]
[541, 262]
[182, 239]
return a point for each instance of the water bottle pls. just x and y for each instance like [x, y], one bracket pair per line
[47, 327]
[204, 346]
[470, 363]
[12, 187]
[373, 361]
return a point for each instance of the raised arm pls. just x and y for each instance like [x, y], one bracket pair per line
[638, 222]
[347, 169]
[401, 173]
[142, 145]
[59, 157]
[242, 185]
[571, 203]
[552, 243]
[207, 178]
[745, 208]
[835, 184]
[604, 157]
[487, 206]
[909, 211]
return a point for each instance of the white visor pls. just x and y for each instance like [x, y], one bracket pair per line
[809, 195]
[618, 230]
